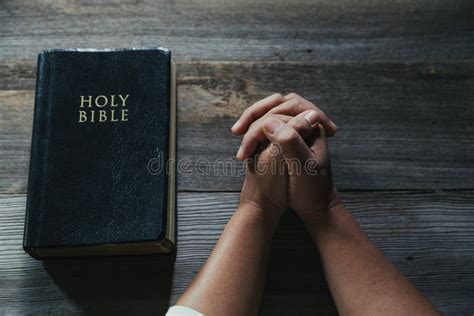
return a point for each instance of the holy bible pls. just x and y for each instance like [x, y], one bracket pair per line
[102, 176]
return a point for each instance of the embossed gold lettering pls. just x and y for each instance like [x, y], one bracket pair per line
[104, 108]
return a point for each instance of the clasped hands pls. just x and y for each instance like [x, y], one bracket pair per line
[287, 156]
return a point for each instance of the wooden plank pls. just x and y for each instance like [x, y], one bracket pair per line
[121, 285]
[16, 119]
[246, 30]
[401, 126]
[428, 236]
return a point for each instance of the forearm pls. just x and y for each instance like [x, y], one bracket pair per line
[361, 279]
[231, 281]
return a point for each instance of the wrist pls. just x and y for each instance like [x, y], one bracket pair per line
[329, 224]
[321, 216]
[317, 215]
[255, 212]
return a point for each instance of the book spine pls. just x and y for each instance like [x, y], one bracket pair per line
[37, 154]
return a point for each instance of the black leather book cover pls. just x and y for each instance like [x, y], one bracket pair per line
[102, 134]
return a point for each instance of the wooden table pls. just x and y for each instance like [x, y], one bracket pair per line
[396, 76]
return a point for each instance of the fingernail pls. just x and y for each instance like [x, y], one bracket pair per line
[272, 125]
[311, 117]
[333, 125]
[236, 125]
[239, 152]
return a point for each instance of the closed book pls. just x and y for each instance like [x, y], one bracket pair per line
[102, 178]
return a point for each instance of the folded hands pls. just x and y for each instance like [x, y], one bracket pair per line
[284, 143]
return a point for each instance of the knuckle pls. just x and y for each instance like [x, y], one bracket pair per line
[278, 98]
[249, 113]
[304, 106]
[292, 103]
[292, 95]
[244, 140]
[252, 126]
[248, 137]
[253, 129]
[312, 105]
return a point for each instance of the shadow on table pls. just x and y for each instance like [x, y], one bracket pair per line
[295, 283]
[116, 285]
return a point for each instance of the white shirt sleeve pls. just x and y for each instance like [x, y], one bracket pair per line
[182, 311]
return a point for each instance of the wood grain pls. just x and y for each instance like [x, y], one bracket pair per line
[127, 285]
[401, 126]
[397, 77]
[428, 236]
[246, 30]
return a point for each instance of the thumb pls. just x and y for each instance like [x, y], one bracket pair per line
[292, 145]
